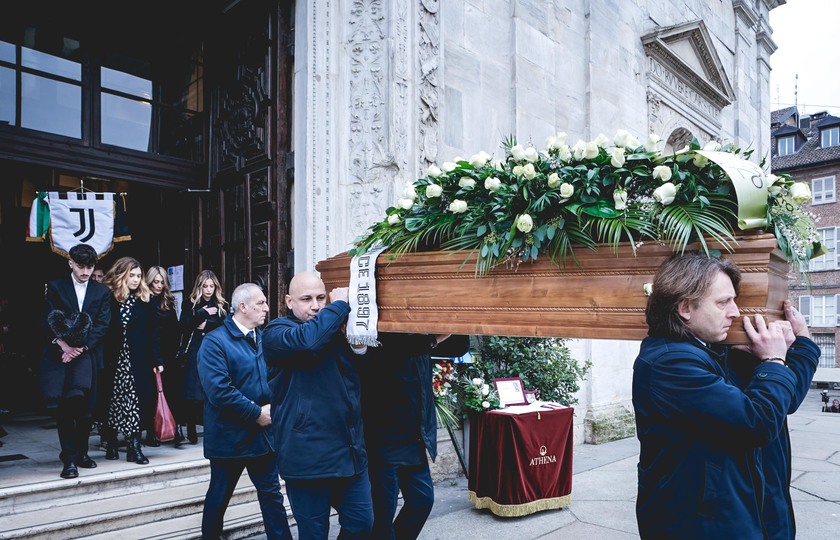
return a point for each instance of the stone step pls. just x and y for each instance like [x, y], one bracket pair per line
[19, 499]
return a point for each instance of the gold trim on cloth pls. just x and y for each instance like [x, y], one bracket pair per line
[516, 510]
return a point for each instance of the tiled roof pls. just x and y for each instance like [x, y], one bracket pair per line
[811, 153]
[777, 117]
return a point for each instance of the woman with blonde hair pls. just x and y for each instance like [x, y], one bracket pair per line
[157, 278]
[132, 355]
[204, 313]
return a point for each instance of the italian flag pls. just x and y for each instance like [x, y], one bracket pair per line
[39, 219]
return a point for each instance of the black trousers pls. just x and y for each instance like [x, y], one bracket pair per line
[73, 420]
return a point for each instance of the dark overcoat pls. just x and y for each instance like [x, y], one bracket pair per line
[143, 338]
[77, 377]
[191, 318]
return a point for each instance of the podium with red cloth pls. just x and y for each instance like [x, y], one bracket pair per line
[521, 463]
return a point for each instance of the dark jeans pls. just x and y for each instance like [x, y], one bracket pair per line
[386, 482]
[224, 474]
[73, 421]
[311, 501]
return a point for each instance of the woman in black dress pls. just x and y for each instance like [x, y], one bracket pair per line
[204, 312]
[132, 355]
[158, 281]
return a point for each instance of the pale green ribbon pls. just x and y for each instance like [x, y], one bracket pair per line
[751, 187]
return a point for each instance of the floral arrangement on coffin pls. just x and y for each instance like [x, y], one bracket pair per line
[532, 203]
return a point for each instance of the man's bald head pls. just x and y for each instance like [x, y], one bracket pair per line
[307, 295]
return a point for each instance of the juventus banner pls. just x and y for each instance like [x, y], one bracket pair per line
[77, 218]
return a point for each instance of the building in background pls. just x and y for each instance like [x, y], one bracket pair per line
[258, 137]
[808, 148]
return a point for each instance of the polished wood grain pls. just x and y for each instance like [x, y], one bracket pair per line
[600, 297]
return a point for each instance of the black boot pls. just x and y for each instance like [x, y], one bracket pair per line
[179, 436]
[151, 439]
[192, 434]
[135, 452]
[109, 439]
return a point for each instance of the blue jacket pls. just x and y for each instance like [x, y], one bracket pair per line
[699, 475]
[315, 396]
[397, 397]
[777, 514]
[235, 381]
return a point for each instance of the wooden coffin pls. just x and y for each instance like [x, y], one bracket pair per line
[602, 298]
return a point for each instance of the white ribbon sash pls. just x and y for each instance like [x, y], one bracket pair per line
[364, 314]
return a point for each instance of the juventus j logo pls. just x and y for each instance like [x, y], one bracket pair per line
[83, 224]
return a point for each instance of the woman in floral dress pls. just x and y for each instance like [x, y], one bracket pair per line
[132, 354]
[204, 313]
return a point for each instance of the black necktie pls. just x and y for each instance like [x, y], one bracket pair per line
[252, 339]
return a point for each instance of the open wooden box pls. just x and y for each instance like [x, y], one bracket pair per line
[602, 298]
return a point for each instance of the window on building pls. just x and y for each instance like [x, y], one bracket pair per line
[786, 145]
[819, 310]
[828, 348]
[828, 238]
[830, 136]
[145, 101]
[822, 190]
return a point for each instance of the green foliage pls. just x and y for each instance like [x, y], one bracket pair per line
[531, 203]
[543, 364]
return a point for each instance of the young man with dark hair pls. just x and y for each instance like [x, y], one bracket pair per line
[77, 312]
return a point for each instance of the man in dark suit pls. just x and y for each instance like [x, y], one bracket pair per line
[77, 312]
[237, 412]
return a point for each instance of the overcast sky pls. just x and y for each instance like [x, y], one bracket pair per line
[806, 33]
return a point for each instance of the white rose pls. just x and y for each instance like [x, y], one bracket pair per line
[633, 143]
[622, 138]
[592, 150]
[498, 164]
[485, 404]
[774, 190]
[617, 157]
[517, 170]
[700, 160]
[449, 166]
[433, 171]
[601, 140]
[579, 149]
[485, 389]
[648, 289]
[492, 184]
[620, 198]
[393, 219]
[665, 193]
[553, 180]
[466, 181]
[774, 184]
[478, 381]
[652, 140]
[525, 223]
[566, 190]
[405, 204]
[409, 192]
[561, 137]
[531, 154]
[529, 172]
[479, 160]
[564, 153]
[518, 152]
[551, 143]
[458, 206]
[661, 172]
[433, 190]
[713, 146]
[800, 192]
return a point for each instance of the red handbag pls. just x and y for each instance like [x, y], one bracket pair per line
[164, 421]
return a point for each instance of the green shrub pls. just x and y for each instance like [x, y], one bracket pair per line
[543, 364]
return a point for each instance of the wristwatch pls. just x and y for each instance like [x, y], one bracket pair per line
[774, 359]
